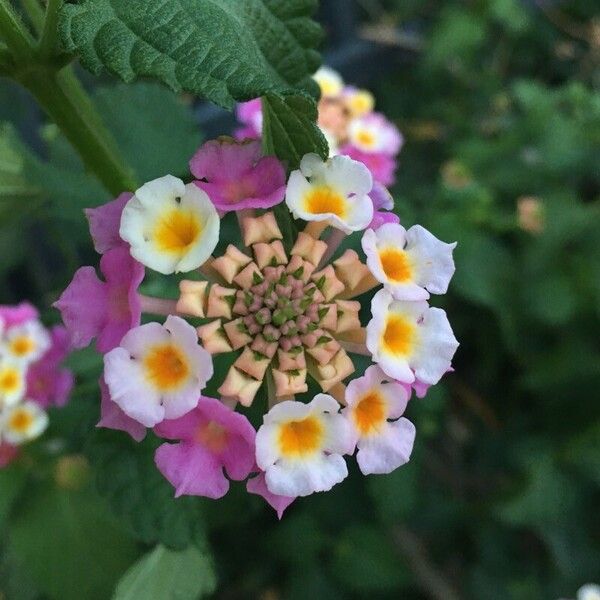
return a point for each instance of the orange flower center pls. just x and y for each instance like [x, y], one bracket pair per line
[166, 367]
[398, 336]
[177, 230]
[9, 380]
[21, 421]
[324, 200]
[395, 264]
[299, 438]
[212, 435]
[369, 413]
[22, 345]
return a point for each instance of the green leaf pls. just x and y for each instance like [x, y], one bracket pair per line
[225, 50]
[137, 491]
[71, 547]
[12, 482]
[165, 574]
[289, 129]
[366, 562]
[156, 132]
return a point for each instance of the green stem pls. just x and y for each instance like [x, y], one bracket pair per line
[48, 39]
[65, 101]
[14, 33]
[35, 13]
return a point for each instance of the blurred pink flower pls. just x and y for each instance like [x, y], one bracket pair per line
[381, 165]
[104, 223]
[48, 383]
[17, 315]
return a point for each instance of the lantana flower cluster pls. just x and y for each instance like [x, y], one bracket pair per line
[347, 118]
[287, 315]
[31, 376]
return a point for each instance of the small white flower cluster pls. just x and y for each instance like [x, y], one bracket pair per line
[21, 419]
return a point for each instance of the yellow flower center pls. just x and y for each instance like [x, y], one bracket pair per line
[361, 103]
[369, 413]
[299, 438]
[324, 200]
[10, 380]
[20, 421]
[22, 345]
[365, 138]
[166, 367]
[212, 435]
[395, 264]
[329, 88]
[177, 231]
[398, 336]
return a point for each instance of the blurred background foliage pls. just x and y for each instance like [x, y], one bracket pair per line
[499, 104]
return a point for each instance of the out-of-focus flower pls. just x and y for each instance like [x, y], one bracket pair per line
[171, 227]
[48, 383]
[300, 447]
[530, 211]
[381, 165]
[12, 382]
[410, 340]
[26, 342]
[250, 114]
[105, 309]
[212, 439]
[16, 315]
[374, 134]
[249, 181]
[589, 591]
[410, 264]
[329, 81]
[335, 191]
[22, 422]
[158, 371]
[456, 175]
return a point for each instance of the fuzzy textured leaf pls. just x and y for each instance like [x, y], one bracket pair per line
[225, 50]
[289, 129]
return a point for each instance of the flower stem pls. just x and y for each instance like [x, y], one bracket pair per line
[65, 101]
[48, 40]
[158, 306]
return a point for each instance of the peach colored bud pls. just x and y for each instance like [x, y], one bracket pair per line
[212, 338]
[323, 353]
[260, 229]
[330, 319]
[231, 263]
[315, 228]
[239, 386]
[218, 306]
[287, 384]
[261, 345]
[296, 263]
[266, 252]
[236, 333]
[250, 364]
[192, 298]
[246, 278]
[332, 286]
[530, 211]
[308, 248]
[347, 315]
[349, 269]
[290, 361]
[333, 116]
[339, 368]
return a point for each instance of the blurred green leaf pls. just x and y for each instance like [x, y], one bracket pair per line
[69, 543]
[135, 489]
[366, 562]
[12, 482]
[165, 574]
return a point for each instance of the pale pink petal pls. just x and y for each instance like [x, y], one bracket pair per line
[112, 417]
[257, 485]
